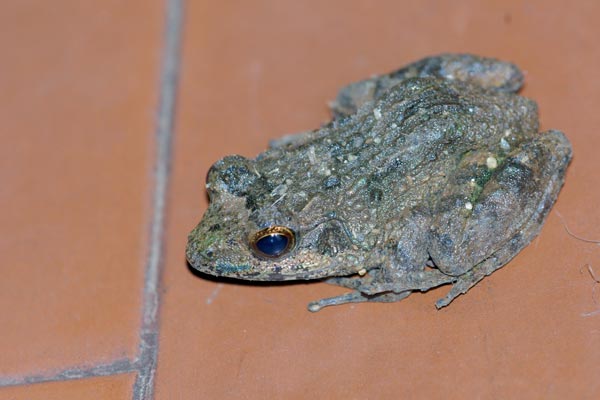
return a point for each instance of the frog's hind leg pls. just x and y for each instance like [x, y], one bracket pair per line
[486, 72]
[522, 236]
[358, 283]
[469, 279]
[481, 71]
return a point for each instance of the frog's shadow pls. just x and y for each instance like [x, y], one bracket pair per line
[233, 281]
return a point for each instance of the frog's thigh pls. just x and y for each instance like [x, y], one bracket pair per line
[481, 71]
[470, 278]
[470, 226]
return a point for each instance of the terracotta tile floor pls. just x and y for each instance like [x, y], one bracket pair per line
[111, 114]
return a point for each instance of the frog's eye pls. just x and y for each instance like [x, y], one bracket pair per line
[273, 242]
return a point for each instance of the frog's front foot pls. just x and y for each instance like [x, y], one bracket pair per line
[460, 287]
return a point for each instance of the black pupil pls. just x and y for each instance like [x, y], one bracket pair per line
[273, 244]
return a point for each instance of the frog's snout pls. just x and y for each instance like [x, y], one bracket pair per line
[199, 257]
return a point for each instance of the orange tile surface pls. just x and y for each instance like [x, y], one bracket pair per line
[82, 85]
[115, 387]
[254, 71]
[79, 88]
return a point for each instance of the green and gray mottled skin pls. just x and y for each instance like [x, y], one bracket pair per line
[433, 174]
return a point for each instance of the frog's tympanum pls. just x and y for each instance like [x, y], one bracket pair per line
[433, 174]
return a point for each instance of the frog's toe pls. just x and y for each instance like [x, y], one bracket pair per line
[457, 289]
[350, 297]
[469, 279]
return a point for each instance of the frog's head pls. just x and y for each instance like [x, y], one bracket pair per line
[245, 234]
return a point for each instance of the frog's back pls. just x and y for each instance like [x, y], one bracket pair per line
[411, 136]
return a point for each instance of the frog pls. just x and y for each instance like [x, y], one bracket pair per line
[433, 174]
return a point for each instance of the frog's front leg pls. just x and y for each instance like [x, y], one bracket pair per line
[398, 266]
[375, 287]
[359, 284]
[356, 297]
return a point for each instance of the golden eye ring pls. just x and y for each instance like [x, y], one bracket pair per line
[273, 242]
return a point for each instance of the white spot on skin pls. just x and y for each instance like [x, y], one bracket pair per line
[504, 144]
[507, 132]
[491, 163]
[362, 272]
[279, 190]
[472, 182]
[311, 155]
[377, 140]
[377, 113]
[469, 205]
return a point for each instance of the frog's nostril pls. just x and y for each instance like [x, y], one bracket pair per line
[209, 253]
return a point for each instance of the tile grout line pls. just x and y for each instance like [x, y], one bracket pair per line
[148, 347]
[145, 364]
[115, 368]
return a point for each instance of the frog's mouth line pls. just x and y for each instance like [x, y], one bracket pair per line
[245, 272]
[275, 272]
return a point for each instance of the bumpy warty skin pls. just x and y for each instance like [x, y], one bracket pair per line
[438, 163]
